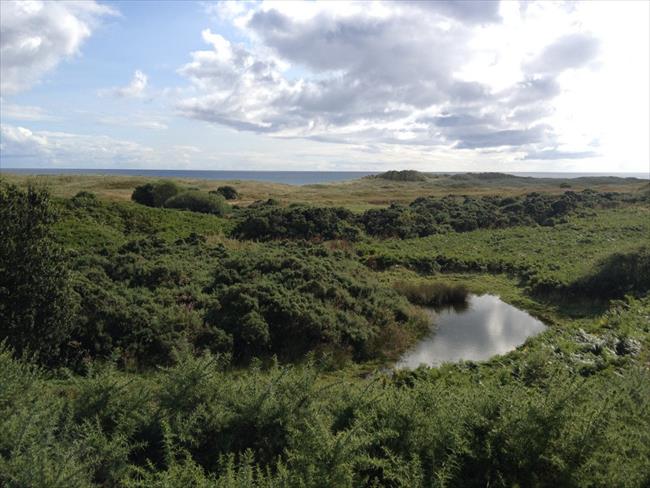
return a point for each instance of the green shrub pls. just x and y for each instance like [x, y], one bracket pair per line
[197, 201]
[617, 275]
[404, 175]
[155, 194]
[228, 192]
[37, 305]
[293, 301]
[270, 221]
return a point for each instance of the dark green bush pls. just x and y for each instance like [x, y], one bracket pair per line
[37, 305]
[404, 175]
[155, 194]
[617, 275]
[270, 221]
[197, 201]
[228, 192]
[289, 303]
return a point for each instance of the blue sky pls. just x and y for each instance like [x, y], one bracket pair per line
[440, 86]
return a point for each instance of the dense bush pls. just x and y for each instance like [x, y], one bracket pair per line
[155, 194]
[289, 303]
[617, 275]
[228, 192]
[265, 222]
[429, 215]
[423, 217]
[143, 299]
[36, 302]
[197, 201]
[404, 175]
[537, 422]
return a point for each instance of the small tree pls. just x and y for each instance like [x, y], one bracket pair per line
[36, 301]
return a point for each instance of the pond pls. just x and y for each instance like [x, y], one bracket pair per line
[486, 326]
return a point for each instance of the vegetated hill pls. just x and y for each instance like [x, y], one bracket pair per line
[404, 175]
[485, 176]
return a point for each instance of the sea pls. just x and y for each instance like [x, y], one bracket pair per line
[288, 177]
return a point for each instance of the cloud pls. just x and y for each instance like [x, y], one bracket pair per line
[141, 120]
[35, 36]
[27, 148]
[569, 51]
[20, 143]
[24, 112]
[550, 154]
[135, 89]
[23, 147]
[376, 73]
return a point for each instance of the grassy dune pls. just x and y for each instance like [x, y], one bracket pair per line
[356, 194]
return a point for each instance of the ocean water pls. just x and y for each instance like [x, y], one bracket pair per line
[288, 177]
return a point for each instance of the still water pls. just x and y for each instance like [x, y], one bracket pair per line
[485, 327]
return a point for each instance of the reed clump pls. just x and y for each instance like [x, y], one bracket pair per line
[432, 293]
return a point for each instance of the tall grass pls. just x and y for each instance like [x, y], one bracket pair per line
[432, 293]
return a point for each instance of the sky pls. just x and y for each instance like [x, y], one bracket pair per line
[326, 86]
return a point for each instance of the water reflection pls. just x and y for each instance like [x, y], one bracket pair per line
[482, 328]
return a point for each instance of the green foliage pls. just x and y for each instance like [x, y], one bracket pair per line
[617, 275]
[36, 303]
[533, 423]
[164, 301]
[292, 301]
[404, 175]
[432, 293]
[265, 222]
[155, 194]
[228, 192]
[546, 259]
[197, 201]
[427, 215]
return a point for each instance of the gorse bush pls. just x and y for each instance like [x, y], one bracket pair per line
[291, 302]
[197, 201]
[534, 423]
[228, 192]
[423, 217]
[155, 194]
[404, 175]
[617, 275]
[267, 222]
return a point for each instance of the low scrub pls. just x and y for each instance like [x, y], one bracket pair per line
[432, 293]
[197, 201]
[268, 221]
[617, 275]
[404, 175]
[228, 192]
[155, 194]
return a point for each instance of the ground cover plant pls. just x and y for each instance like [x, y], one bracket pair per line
[144, 345]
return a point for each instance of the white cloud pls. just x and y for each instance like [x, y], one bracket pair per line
[397, 73]
[27, 148]
[14, 111]
[23, 147]
[36, 35]
[141, 120]
[135, 89]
